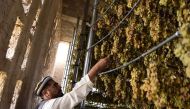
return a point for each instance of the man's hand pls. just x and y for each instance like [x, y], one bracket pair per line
[99, 66]
[102, 63]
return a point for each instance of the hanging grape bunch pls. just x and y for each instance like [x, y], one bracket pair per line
[182, 49]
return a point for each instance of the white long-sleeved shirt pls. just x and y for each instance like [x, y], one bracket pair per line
[71, 99]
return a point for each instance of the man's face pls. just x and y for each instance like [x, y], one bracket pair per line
[52, 90]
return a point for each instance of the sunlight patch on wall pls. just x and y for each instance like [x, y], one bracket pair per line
[3, 77]
[62, 52]
[16, 94]
[14, 39]
[60, 60]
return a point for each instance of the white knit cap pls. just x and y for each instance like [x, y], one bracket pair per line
[41, 85]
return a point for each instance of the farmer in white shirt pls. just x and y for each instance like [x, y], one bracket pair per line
[53, 98]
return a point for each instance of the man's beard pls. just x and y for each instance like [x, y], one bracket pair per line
[60, 94]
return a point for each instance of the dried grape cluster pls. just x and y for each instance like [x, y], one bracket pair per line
[183, 48]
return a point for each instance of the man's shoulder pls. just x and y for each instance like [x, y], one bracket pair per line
[46, 104]
[40, 105]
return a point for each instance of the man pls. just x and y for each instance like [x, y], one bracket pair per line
[53, 97]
